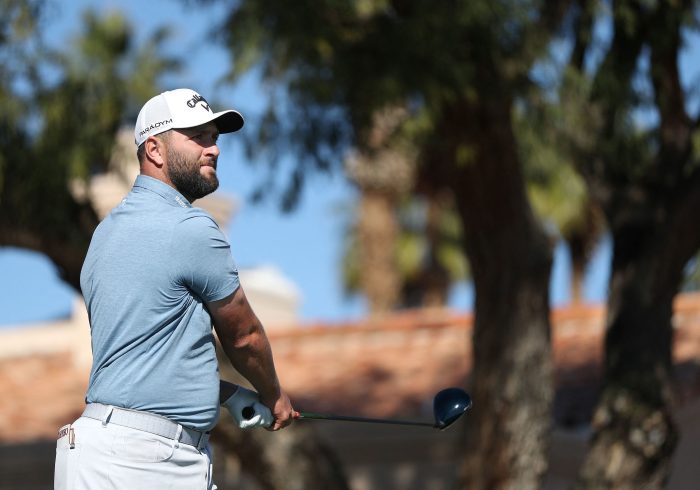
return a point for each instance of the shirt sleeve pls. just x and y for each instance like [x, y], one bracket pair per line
[202, 258]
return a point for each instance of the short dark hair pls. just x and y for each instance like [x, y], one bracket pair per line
[141, 150]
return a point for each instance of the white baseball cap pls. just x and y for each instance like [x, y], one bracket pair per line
[181, 108]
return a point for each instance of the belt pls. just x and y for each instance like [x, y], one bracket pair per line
[148, 422]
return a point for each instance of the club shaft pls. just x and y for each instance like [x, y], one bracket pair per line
[345, 418]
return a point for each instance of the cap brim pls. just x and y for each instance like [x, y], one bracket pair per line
[228, 121]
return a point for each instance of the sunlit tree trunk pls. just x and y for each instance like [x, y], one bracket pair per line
[378, 230]
[634, 433]
[383, 176]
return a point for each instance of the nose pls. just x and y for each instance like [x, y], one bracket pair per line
[212, 150]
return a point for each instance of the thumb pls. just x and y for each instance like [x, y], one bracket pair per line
[264, 414]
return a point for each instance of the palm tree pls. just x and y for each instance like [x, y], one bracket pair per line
[383, 175]
[557, 191]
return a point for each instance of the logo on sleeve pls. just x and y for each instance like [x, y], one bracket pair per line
[196, 99]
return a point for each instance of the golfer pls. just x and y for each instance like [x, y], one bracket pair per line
[157, 275]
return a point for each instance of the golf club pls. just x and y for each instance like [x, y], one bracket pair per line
[448, 405]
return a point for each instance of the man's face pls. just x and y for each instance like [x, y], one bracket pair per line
[192, 154]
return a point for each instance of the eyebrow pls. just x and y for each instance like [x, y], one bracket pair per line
[204, 128]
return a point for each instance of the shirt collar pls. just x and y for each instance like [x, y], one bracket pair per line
[162, 189]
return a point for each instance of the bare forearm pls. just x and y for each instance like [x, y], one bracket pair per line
[251, 356]
[244, 341]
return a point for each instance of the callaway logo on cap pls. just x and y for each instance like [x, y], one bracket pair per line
[181, 108]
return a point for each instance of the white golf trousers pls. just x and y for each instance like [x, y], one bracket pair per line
[91, 455]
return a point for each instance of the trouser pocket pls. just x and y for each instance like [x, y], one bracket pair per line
[67, 456]
[138, 446]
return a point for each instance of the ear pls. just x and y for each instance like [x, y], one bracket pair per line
[155, 151]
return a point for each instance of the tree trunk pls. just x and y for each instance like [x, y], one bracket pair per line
[66, 254]
[634, 433]
[383, 175]
[291, 459]
[512, 368]
[436, 278]
[64, 246]
[653, 220]
[37, 209]
[294, 458]
[510, 259]
[378, 231]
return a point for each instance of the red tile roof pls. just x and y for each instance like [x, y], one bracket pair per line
[40, 394]
[385, 367]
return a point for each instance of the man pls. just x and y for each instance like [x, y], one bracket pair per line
[157, 274]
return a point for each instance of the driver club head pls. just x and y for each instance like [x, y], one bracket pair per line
[449, 405]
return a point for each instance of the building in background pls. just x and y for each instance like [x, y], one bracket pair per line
[389, 367]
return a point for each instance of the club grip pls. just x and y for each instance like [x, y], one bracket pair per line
[248, 412]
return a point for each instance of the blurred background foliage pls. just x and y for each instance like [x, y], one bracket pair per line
[63, 107]
[452, 119]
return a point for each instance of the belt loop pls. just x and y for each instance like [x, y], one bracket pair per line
[178, 433]
[107, 415]
[71, 438]
[203, 440]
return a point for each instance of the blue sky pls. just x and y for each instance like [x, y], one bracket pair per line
[304, 245]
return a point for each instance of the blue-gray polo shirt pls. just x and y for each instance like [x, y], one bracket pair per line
[152, 265]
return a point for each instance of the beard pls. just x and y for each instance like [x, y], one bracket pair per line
[185, 175]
